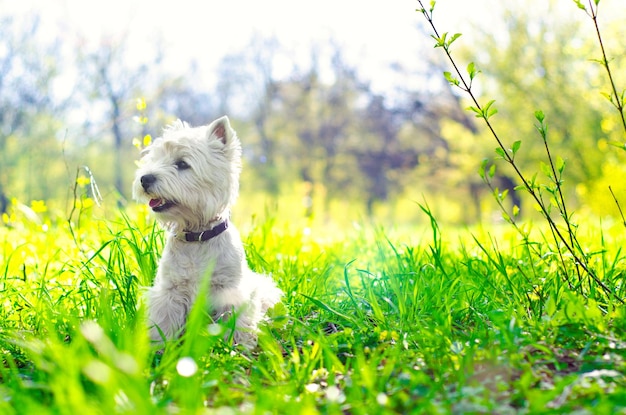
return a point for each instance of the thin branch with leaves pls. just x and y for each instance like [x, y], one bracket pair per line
[614, 97]
[568, 241]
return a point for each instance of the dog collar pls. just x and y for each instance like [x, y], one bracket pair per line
[204, 235]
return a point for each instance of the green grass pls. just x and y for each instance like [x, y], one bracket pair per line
[431, 321]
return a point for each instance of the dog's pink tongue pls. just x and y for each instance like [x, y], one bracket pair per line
[154, 202]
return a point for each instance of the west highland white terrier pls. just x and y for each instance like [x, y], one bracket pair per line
[190, 179]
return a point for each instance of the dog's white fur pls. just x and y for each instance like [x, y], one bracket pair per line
[190, 176]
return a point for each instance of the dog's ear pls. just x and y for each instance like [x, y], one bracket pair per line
[221, 129]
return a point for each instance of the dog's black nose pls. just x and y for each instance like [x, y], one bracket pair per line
[147, 180]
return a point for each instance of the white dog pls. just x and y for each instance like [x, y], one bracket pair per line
[190, 179]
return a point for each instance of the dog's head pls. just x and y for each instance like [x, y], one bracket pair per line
[190, 175]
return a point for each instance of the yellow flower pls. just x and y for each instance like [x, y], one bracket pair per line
[140, 119]
[141, 104]
[86, 203]
[38, 206]
[83, 181]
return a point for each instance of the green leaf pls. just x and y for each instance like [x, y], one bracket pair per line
[326, 307]
[478, 112]
[488, 110]
[580, 5]
[539, 207]
[539, 116]
[432, 5]
[560, 164]
[443, 39]
[607, 95]
[617, 144]
[440, 41]
[453, 38]
[483, 168]
[471, 70]
[500, 152]
[451, 79]
[533, 181]
[516, 146]
[515, 211]
[492, 171]
[551, 307]
[602, 62]
[554, 202]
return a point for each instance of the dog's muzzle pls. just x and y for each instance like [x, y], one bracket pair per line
[147, 180]
[157, 204]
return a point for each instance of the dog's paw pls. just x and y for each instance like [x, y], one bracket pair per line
[245, 339]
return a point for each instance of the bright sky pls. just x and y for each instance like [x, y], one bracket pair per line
[374, 33]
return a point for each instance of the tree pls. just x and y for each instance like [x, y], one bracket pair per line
[321, 124]
[543, 65]
[247, 87]
[386, 159]
[27, 71]
[110, 80]
[320, 115]
[179, 97]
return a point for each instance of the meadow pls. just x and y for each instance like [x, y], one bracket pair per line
[524, 315]
[424, 319]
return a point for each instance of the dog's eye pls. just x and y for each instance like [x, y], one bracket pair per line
[182, 165]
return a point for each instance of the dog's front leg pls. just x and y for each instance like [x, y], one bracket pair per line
[234, 302]
[167, 312]
[245, 332]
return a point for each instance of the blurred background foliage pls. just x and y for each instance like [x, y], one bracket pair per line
[318, 139]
